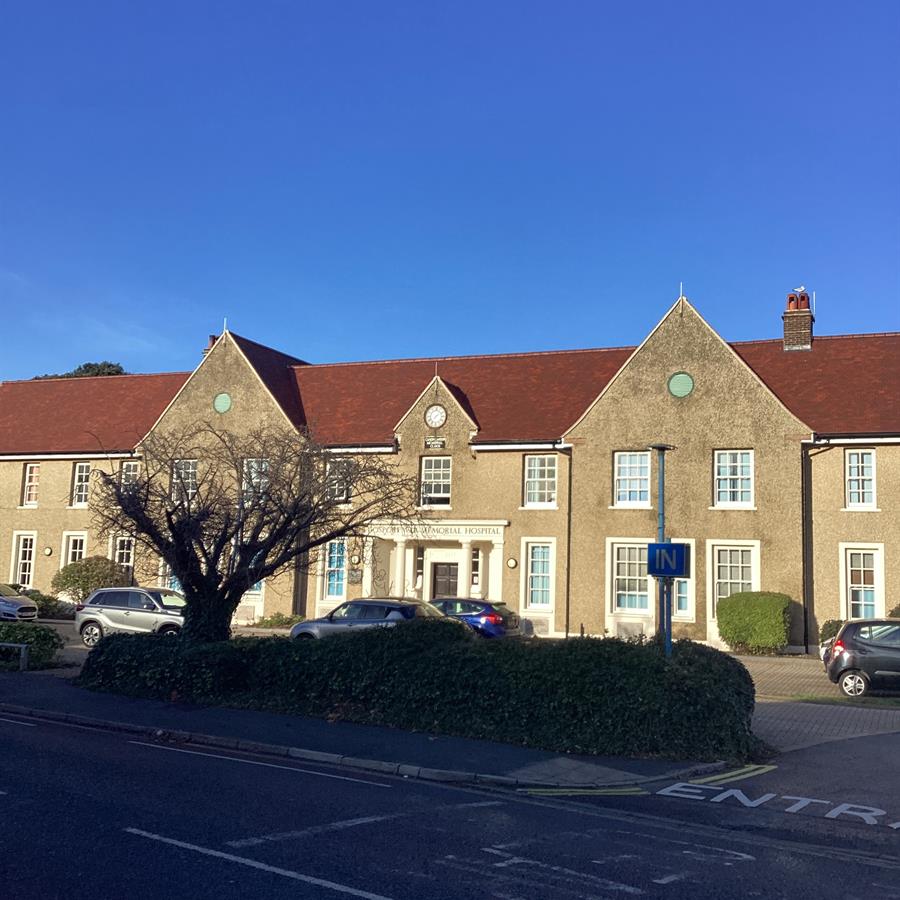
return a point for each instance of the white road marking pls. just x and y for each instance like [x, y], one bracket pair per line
[312, 830]
[253, 762]
[511, 859]
[17, 722]
[668, 879]
[483, 803]
[253, 864]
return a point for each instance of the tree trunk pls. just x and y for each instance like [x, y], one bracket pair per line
[207, 620]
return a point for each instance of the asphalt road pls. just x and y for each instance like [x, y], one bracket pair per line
[91, 814]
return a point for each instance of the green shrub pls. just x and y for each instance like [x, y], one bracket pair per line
[43, 644]
[50, 607]
[277, 620]
[755, 621]
[79, 579]
[829, 629]
[585, 695]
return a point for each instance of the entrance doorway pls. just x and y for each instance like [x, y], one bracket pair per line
[444, 578]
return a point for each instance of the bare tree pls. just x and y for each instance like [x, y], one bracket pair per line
[225, 511]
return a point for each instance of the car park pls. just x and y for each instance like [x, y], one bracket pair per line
[865, 655]
[16, 607]
[488, 619]
[369, 613]
[134, 610]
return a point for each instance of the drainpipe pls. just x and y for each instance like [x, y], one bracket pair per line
[568, 454]
[806, 537]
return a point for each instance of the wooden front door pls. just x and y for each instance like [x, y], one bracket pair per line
[444, 579]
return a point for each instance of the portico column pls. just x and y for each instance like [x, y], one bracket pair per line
[400, 569]
[464, 580]
[495, 572]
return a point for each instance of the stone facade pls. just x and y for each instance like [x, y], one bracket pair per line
[555, 525]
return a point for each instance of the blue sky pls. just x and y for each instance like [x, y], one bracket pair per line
[360, 180]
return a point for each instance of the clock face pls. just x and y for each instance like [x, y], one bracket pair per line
[435, 416]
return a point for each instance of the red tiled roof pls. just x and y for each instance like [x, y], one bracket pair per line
[844, 385]
[82, 415]
[275, 369]
[847, 384]
[516, 397]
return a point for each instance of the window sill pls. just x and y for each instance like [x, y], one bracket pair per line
[28, 506]
[633, 613]
[538, 506]
[736, 506]
[435, 508]
[860, 509]
[631, 506]
[537, 611]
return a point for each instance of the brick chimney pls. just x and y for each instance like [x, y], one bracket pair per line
[210, 343]
[798, 322]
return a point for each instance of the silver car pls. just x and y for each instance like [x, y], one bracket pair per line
[136, 610]
[370, 613]
[16, 607]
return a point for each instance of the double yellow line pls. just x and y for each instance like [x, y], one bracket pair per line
[734, 775]
[586, 792]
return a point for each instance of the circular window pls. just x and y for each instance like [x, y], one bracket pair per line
[680, 384]
[222, 403]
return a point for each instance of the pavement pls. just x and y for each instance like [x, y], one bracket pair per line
[783, 723]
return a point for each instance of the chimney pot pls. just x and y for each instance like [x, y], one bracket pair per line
[803, 301]
[792, 301]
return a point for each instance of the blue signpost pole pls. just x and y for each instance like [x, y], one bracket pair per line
[665, 584]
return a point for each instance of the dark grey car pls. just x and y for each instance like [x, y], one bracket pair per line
[383, 611]
[133, 610]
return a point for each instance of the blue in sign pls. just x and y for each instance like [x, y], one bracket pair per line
[669, 560]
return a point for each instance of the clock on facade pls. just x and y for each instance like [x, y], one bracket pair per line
[222, 403]
[435, 416]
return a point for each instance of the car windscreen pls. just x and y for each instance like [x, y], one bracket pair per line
[7, 591]
[426, 611]
[168, 600]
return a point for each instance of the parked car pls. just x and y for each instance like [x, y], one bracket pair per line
[133, 610]
[865, 654]
[490, 620]
[16, 607]
[369, 613]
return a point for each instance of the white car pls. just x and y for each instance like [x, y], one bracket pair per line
[16, 607]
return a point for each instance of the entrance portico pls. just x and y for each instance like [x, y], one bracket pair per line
[415, 559]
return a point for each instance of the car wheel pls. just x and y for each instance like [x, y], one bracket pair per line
[91, 634]
[854, 684]
[169, 631]
[305, 636]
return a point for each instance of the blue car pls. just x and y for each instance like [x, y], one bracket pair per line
[490, 620]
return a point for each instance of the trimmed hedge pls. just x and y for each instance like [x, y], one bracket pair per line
[585, 695]
[829, 629]
[43, 644]
[755, 621]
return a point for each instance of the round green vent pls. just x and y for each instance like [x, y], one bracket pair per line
[222, 403]
[680, 384]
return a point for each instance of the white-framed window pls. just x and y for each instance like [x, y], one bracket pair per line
[631, 479]
[540, 481]
[859, 478]
[538, 574]
[337, 481]
[128, 472]
[732, 566]
[81, 483]
[123, 551]
[336, 569]
[168, 579]
[22, 567]
[682, 606]
[184, 479]
[476, 566]
[436, 480]
[31, 477]
[733, 479]
[630, 584]
[255, 478]
[862, 580]
[74, 546]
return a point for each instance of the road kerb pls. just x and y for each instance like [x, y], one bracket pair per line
[447, 776]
